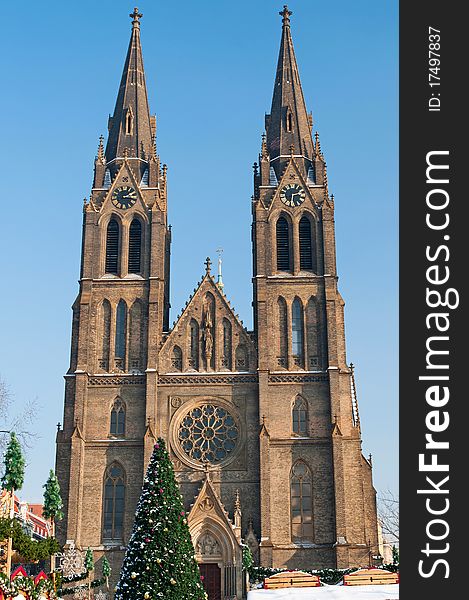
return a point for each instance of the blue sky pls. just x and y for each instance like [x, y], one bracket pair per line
[210, 70]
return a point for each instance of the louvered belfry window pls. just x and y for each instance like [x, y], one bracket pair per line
[306, 250]
[112, 247]
[283, 245]
[135, 246]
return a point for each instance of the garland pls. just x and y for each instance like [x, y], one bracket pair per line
[94, 584]
[26, 584]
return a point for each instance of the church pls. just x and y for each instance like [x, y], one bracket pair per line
[262, 426]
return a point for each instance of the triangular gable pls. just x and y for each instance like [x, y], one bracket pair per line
[208, 503]
[207, 284]
[124, 177]
[292, 174]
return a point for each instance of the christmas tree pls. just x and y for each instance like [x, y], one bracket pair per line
[52, 508]
[159, 561]
[13, 476]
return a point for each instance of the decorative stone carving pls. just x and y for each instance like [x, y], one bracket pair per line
[176, 402]
[207, 504]
[208, 545]
[208, 434]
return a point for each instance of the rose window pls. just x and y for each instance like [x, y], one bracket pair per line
[208, 434]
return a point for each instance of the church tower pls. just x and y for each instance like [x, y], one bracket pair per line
[262, 426]
[119, 317]
[310, 441]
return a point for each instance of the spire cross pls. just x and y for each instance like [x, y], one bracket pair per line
[286, 14]
[136, 16]
[208, 264]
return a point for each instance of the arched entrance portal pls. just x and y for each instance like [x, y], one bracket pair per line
[217, 544]
[214, 552]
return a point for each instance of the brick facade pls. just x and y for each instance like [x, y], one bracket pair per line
[164, 378]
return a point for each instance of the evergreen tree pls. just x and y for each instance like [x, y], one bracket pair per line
[52, 508]
[159, 561]
[106, 568]
[13, 476]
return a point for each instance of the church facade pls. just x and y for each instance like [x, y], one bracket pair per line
[262, 426]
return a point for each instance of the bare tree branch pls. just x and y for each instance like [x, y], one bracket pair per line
[21, 423]
[388, 515]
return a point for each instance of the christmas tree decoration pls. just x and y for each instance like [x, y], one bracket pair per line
[12, 480]
[53, 505]
[159, 561]
[89, 564]
[106, 570]
[13, 476]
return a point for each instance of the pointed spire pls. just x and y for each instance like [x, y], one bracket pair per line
[101, 149]
[130, 132]
[220, 283]
[289, 122]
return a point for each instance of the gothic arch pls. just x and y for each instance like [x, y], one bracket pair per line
[301, 503]
[307, 242]
[300, 416]
[297, 332]
[120, 342]
[135, 254]
[114, 488]
[176, 358]
[283, 255]
[242, 358]
[104, 334]
[113, 243]
[136, 325]
[282, 321]
[118, 418]
[313, 334]
[194, 344]
[219, 533]
[226, 360]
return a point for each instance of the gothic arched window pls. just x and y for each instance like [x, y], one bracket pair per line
[135, 247]
[135, 336]
[118, 418]
[283, 332]
[226, 359]
[242, 358]
[300, 417]
[314, 334]
[104, 333]
[121, 329]
[301, 502]
[306, 245]
[176, 359]
[283, 245]
[112, 247]
[194, 345]
[114, 501]
[129, 121]
[297, 332]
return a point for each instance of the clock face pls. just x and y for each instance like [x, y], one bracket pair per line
[124, 197]
[292, 195]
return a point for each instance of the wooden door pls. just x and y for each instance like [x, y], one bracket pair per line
[212, 580]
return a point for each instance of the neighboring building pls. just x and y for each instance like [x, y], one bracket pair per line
[30, 515]
[262, 425]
